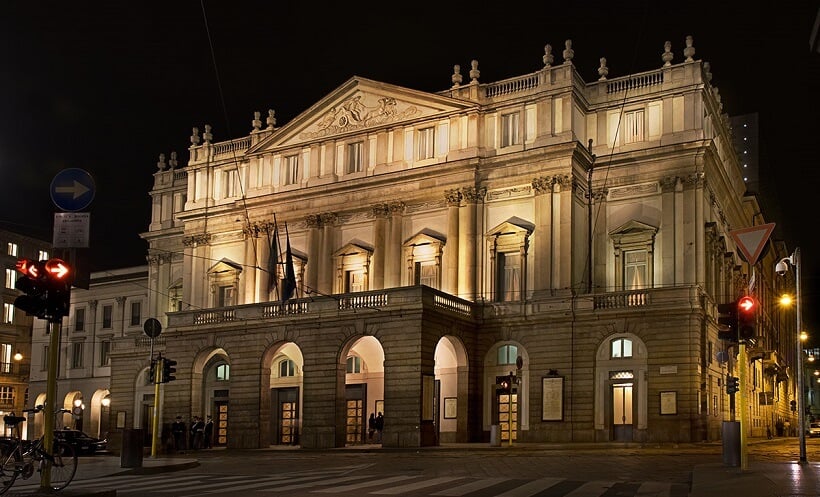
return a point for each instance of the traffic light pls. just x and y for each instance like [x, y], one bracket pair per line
[152, 372]
[747, 318]
[503, 383]
[727, 321]
[731, 384]
[168, 370]
[47, 288]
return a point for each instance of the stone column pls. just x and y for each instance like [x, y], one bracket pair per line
[451, 254]
[266, 274]
[467, 243]
[187, 272]
[249, 274]
[542, 258]
[327, 272]
[393, 262]
[380, 213]
[313, 222]
[563, 261]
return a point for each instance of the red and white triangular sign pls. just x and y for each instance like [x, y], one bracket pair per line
[751, 241]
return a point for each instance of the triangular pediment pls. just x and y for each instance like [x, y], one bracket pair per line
[225, 265]
[512, 226]
[359, 105]
[425, 237]
[354, 247]
[633, 227]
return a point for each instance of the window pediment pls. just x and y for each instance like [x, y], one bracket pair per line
[425, 237]
[225, 265]
[514, 226]
[633, 232]
[354, 248]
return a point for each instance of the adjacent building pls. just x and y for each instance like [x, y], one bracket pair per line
[533, 259]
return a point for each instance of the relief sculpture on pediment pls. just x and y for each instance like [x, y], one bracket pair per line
[354, 114]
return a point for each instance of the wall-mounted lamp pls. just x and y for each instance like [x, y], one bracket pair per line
[18, 356]
[106, 401]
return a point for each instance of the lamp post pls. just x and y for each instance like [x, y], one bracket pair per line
[781, 268]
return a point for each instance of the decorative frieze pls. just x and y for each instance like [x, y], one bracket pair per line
[631, 191]
[354, 114]
[507, 193]
[198, 239]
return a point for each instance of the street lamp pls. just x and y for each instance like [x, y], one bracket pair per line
[782, 268]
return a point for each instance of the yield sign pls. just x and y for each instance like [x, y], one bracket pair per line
[751, 241]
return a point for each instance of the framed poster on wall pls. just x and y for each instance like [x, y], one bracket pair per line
[669, 402]
[450, 407]
[552, 398]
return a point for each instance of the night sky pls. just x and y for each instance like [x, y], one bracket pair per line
[108, 86]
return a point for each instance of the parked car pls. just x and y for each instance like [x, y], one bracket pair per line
[83, 444]
[814, 429]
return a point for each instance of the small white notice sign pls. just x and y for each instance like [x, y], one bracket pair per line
[71, 229]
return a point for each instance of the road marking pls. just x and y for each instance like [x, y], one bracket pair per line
[471, 487]
[531, 488]
[591, 489]
[373, 483]
[416, 486]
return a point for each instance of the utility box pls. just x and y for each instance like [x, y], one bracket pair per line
[495, 436]
[731, 443]
[131, 451]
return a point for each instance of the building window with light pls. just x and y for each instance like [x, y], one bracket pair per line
[5, 358]
[508, 279]
[136, 313]
[355, 158]
[426, 139]
[8, 313]
[287, 368]
[507, 354]
[79, 319]
[108, 317]
[290, 170]
[509, 129]
[633, 126]
[230, 187]
[77, 355]
[7, 396]
[353, 365]
[42, 255]
[11, 277]
[621, 348]
[105, 353]
[633, 245]
[12, 249]
[223, 372]
[508, 245]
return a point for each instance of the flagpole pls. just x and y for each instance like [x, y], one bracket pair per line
[273, 267]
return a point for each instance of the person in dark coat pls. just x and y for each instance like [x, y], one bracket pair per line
[209, 432]
[379, 427]
[371, 426]
[178, 431]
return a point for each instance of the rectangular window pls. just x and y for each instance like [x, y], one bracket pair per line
[354, 281]
[136, 313]
[509, 129]
[426, 143]
[509, 277]
[635, 269]
[77, 355]
[79, 319]
[290, 172]
[105, 353]
[5, 358]
[230, 187]
[355, 157]
[633, 126]
[12, 249]
[108, 316]
[427, 274]
[8, 312]
[11, 277]
[225, 296]
[42, 255]
[7, 396]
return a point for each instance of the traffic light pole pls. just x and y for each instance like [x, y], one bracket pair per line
[155, 425]
[744, 412]
[53, 328]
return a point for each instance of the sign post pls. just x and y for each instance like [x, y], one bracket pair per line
[153, 328]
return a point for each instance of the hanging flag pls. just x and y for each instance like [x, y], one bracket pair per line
[289, 281]
[273, 258]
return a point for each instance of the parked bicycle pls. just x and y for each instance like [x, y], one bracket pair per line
[19, 458]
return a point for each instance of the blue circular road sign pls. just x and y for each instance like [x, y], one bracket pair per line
[72, 189]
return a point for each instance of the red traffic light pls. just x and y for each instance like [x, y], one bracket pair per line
[58, 269]
[746, 304]
[30, 268]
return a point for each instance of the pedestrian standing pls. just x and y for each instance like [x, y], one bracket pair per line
[178, 431]
[209, 432]
[379, 427]
[371, 426]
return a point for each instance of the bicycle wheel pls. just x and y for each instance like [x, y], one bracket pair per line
[63, 466]
[10, 461]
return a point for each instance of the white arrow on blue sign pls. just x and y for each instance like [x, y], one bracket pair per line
[72, 189]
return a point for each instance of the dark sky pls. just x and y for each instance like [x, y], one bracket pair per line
[108, 86]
